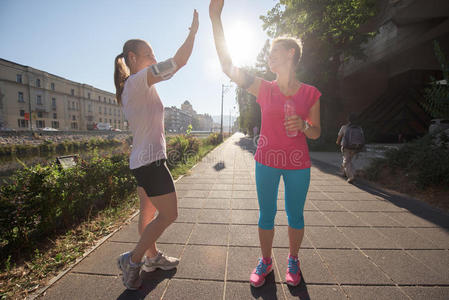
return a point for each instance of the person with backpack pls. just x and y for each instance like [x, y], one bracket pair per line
[352, 141]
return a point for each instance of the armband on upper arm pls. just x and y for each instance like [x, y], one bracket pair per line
[164, 69]
[248, 79]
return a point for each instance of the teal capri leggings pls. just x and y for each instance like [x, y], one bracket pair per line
[296, 185]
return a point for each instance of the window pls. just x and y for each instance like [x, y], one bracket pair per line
[72, 92]
[19, 78]
[73, 104]
[55, 116]
[40, 114]
[40, 123]
[89, 107]
[38, 82]
[55, 124]
[22, 113]
[74, 125]
[115, 112]
[99, 110]
[99, 98]
[110, 121]
[88, 95]
[39, 99]
[110, 111]
[101, 120]
[20, 97]
[22, 123]
[77, 107]
[90, 118]
[73, 118]
[52, 85]
[53, 102]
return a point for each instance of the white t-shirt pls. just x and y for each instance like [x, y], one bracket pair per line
[145, 114]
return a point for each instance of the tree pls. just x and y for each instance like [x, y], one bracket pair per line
[330, 33]
[329, 29]
[437, 95]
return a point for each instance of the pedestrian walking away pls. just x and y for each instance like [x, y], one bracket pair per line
[290, 113]
[136, 73]
[352, 141]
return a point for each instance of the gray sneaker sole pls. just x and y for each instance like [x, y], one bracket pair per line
[119, 265]
[151, 269]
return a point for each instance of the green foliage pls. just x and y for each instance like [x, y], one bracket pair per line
[189, 130]
[44, 199]
[437, 95]
[50, 147]
[180, 148]
[213, 139]
[426, 162]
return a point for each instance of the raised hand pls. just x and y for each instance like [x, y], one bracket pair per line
[195, 23]
[215, 8]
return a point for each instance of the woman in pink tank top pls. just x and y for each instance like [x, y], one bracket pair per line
[290, 113]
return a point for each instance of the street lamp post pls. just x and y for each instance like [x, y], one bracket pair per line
[223, 91]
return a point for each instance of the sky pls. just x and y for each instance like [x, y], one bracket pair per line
[78, 40]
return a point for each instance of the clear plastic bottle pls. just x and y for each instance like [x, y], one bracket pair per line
[290, 110]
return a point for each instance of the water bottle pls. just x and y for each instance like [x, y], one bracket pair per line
[290, 110]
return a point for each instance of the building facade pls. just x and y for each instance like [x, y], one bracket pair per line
[34, 99]
[176, 120]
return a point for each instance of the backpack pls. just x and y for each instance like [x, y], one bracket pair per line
[354, 139]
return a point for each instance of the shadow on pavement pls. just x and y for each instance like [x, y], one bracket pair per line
[219, 166]
[150, 281]
[247, 144]
[300, 291]
[414, 206]
[266, 292]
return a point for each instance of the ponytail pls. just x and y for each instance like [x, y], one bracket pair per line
[121, 69]
[121, 73]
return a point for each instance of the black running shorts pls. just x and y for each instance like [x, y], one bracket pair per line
[154, 178]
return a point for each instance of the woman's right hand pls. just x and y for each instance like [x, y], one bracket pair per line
[215, 8]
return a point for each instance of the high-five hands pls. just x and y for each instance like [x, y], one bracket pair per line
[195, 23]
[215, 8]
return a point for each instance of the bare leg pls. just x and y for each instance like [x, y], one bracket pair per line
[166, 205]
[147, 212]
[295, 237]
[266, 241]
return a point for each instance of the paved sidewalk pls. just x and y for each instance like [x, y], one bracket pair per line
[358, 245]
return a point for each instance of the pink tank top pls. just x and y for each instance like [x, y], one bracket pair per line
[275, 149]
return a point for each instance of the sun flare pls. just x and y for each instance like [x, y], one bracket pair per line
[241, 43]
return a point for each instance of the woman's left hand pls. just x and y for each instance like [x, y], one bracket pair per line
[295, 123]
[194, 27]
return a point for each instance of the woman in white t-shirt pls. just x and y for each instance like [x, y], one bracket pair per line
[135, 76]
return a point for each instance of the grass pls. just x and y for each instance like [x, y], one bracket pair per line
[54, 255]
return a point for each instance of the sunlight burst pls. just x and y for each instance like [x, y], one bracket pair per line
[241, 43]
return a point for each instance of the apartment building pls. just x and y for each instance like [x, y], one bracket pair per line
[34, 99]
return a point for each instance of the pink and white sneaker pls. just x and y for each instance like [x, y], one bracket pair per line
[293, 276]
[264, 267]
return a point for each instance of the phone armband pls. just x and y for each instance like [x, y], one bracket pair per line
[164, 69]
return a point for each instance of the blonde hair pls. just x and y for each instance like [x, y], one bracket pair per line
[291, 43]
[121, 69]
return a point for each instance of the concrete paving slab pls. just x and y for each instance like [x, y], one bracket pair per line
[403, 268]
[202, 262]
[328, 237]
[352, 267]
[328, 205]
[191, 202]
[314, 218]
[375, 292]
[410, 220]
[322, 292]
[244, 235]
[218, 203]
[244, 204]
[368, 238]
[210, 234]
[437, 260]
[244, 291]
[215, 216]
[241, 262]
[187, 215]
[245, 217]
[435, 293]
[194, 289]
[438, 236]
[379, 206]
[377, 219]
[344, 218]
[407, 238]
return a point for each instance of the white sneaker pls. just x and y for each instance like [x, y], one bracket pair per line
[160, 262]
